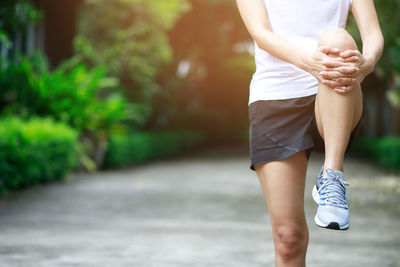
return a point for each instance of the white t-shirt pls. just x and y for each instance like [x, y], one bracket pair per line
[301, 23]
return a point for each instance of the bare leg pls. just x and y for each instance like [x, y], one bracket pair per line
[337, 114]
[283, 185]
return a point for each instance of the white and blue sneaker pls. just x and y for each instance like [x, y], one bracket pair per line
[330, 194]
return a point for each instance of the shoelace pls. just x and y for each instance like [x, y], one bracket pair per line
[334, 190]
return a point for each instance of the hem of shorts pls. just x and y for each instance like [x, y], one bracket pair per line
[281, 156]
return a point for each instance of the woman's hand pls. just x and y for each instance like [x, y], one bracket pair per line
[343, 72]
[315, 63]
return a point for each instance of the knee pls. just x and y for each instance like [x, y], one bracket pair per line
[339, 38]
[291, 242]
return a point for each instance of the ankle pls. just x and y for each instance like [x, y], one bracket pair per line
[335, 167]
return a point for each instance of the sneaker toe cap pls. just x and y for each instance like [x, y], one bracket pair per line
[328, 214]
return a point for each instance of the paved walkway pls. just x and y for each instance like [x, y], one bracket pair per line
[200, 210]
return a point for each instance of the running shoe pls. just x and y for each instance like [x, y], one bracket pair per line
[329, 193]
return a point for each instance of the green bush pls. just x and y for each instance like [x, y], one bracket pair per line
[385, 150]
[34, 151]
[83, 98]
[138, 147]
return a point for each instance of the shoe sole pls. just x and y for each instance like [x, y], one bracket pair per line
[331, 225]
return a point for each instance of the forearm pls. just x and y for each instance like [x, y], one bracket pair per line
[371, 34]
[280, 48]
[372, 49]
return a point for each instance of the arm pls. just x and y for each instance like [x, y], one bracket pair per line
[257, 23]
[367, 21]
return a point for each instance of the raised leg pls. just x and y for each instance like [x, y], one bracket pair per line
[283, 184]
[337, 114]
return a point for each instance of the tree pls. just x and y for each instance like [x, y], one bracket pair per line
[130, 37]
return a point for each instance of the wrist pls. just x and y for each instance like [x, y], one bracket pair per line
[303, 61]
[369, 64]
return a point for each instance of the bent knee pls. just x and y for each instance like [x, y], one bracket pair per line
[290, 242]
[339, 38]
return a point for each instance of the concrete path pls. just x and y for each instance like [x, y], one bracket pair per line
[201, 210]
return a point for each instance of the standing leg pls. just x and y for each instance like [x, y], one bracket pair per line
[337, 114]
[283, 185]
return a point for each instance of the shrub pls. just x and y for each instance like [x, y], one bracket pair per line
[142, 146]
[385, 151]
[83, 98]
[34, 151]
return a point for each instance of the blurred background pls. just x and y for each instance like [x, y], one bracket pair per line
[87, 85]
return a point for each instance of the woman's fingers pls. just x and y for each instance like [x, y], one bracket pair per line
[352, 59]
[331, 83]
[338, 77]
[327, 49]
[342, 89]
[338, 83]
[346, 81]
[338, 62]
[330, 74]
[341, 58]
[346, 70]
[350, 53]
[337, 87]
[339, 69]
[333, 74]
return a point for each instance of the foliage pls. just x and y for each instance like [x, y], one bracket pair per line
[385, 151]
[388, 12]
[15, 18]
[17, 83]
[34, 151]
[5, 40]
[137, 147]
[17, 14]
[81, 97]
[130, 36]
[75, 95]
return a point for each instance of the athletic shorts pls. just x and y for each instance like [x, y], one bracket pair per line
[281, 128]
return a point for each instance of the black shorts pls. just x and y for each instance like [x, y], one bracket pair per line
[281, 128]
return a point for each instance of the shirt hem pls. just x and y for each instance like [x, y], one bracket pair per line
[281, 97]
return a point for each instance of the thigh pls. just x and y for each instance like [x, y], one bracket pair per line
[283, 185]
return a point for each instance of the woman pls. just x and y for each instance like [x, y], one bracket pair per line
[305, 96]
